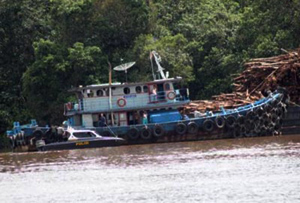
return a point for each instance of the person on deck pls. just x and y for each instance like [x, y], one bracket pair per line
[102, 121]
[154, 94]
[145, 119]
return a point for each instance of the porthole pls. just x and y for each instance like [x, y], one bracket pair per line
[138, 89]
[126, 90]
[145, 88]
[99, 93]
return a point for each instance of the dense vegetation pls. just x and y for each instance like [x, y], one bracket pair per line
[48, 46]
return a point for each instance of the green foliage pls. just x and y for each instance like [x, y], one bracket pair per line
[54, 71]
[172, 50]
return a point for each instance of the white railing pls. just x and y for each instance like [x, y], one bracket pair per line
[130, 101]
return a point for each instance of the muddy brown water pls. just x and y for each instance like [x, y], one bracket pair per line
[265, 169]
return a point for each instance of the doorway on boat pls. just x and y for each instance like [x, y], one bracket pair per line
[134, 118]
[123, 119]
[156, 93]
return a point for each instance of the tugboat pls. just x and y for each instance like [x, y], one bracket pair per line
[152, 112]
[131, 110]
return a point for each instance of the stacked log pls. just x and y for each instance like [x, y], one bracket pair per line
[259, 76]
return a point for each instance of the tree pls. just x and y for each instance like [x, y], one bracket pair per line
[54, 71]
[21, 22]
[171, 49]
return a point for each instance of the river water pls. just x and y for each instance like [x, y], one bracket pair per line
[265, 169]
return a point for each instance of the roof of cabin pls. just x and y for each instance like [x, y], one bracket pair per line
[118, 84]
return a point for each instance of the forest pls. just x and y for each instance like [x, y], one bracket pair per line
[49, 46]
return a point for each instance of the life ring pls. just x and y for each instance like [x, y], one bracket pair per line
[158, 130]
[171, 95]
[230, 121]
[220, 122]
[121, 102]
[180, 128]
[133, 133]
[146, 133]
[208, 125]
[192, 128]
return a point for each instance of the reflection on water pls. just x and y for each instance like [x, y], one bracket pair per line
[241, 170]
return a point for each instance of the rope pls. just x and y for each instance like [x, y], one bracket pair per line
[112, 132]
[294, 104]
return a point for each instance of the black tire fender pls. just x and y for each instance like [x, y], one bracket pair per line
[250, 115]
[146, 133]
[158, 130]
[192, 128]
[180, 128]
[230, 121]
[259, 111]
[241, 120]
[220, 122]
[208, 125]
[133, 133]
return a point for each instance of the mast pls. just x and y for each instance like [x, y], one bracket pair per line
[110, 96]
[157, 60]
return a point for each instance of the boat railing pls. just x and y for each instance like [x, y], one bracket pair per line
[128, 101]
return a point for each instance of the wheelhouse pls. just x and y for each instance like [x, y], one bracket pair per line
[126, 103]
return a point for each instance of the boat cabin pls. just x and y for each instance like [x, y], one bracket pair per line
[124, 104]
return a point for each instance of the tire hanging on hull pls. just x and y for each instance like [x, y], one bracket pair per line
[220, 122]
[208, 125]
[158, 130]
[230, 121]
[180, 128]
[192, 128]
[133, 133]
[146, 133]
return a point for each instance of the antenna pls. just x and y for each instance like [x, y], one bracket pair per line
[124, 67]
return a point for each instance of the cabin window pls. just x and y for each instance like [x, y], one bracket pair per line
[83, 134]
[90, 93]
[126, 90]
[99, 93]
[138, 89]
[167, 87]
[145, 88]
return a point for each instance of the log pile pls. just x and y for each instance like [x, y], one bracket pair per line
[259, 76]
